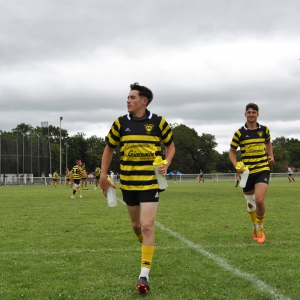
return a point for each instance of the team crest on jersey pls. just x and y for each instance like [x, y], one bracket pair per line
[149, 128]
[260, 133]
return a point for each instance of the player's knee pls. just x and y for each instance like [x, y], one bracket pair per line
[136, 226]
[251, 205]
[147, 228]
[259, 202]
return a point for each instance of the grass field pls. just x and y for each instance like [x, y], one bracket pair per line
[54, 247]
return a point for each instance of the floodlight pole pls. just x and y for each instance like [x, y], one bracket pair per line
[60, 148]
[67, 146]
[39, 173]
[31, 154]
[49, 153]
[17, 157]
[23, 154]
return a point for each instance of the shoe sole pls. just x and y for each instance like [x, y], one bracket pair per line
[142, 288]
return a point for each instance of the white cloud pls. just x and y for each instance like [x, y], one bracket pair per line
[203, 60]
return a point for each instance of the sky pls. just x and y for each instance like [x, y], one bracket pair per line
[203, 60]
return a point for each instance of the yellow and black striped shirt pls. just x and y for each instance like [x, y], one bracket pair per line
[252, 146]
[140, 142]
[83, 174]
[76, 171]
[55, 175]
[97, 171]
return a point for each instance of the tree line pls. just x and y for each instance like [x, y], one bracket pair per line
[193, 152]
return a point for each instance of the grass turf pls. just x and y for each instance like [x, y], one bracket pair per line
[55, 247]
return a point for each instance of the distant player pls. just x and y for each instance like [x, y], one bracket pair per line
[201, 175]
[55, 177]
[68, 178]
[97, 177]
[290, 174]
[238, 179]
[112, 176]
[175, 176]
[76, 176]
[118, 177]
[84, 177]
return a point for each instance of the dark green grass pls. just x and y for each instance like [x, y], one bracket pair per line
[54, 247]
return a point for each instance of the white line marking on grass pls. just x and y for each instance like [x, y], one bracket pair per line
[80, 251]
[225, 265]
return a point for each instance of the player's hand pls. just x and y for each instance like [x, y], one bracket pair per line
[271, 160]
[240, 167]
[163, 169]
[105, 184]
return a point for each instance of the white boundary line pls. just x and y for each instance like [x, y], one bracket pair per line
[225, 265]
[257, 283]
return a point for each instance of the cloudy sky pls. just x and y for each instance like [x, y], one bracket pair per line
[203, 60]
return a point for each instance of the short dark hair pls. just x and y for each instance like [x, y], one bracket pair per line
[252, 105]
[143, 91]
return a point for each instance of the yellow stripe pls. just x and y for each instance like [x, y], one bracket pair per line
[147, 138]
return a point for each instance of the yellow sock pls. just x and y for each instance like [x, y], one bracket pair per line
[260, 221]
[252, 215]
[79, 191]
[147, 256]
[139, 237]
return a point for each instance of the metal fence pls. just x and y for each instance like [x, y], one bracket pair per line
[24, 154]
[29, 179]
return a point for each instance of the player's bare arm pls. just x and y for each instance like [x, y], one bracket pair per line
[170, 152]
[106, 160]
[269, 148]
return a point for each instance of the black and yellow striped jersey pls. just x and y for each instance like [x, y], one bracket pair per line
[140, 142]
[76, 172]
[69, 174]
[97, 171]
[252, 146]
[55, 175]
[83, 174]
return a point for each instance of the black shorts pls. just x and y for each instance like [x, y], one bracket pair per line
[253, 179]
[132, 198]
[76, 181]
[54, 179]
[97, 177]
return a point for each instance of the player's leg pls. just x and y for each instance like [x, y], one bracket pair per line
[260, 193]
[251, 209]
[134, 214]
[147, 219]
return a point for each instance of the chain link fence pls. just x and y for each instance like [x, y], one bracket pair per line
[24, 154]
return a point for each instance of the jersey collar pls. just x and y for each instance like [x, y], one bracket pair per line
[148, 114]
[246, 128]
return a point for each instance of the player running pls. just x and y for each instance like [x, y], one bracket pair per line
[83, 177]
[76, 175]
[254, 139]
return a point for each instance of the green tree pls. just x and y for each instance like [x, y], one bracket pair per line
[224, 164]
[187, 143]
[207, 156]
[95, 148]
